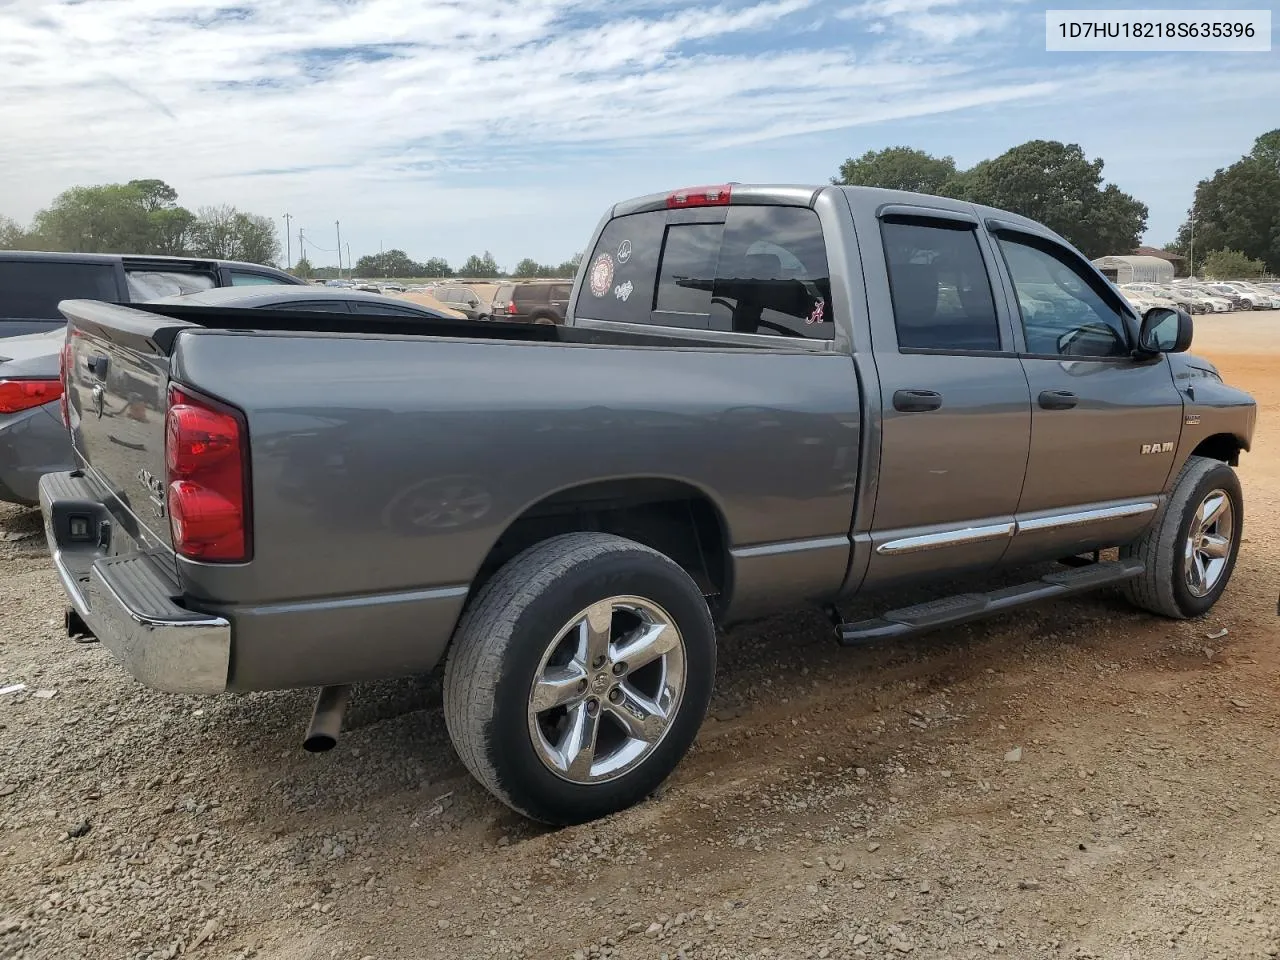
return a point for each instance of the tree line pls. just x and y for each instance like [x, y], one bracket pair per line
[397, 263]
[1231, 226]
[143, 216]
[1234, 215]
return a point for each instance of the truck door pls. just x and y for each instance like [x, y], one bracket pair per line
[956, 406]
[1104, 425]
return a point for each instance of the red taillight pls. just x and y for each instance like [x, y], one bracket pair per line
[208, 485]
[700, 197]
[19, 395]
[511, 307]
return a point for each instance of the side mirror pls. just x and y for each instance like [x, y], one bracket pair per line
[1165, 331]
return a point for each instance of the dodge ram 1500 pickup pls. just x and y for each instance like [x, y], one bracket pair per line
[761, 396]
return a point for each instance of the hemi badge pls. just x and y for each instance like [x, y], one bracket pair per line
[1192, 420]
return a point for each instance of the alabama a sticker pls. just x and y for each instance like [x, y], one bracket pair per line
[601, 276]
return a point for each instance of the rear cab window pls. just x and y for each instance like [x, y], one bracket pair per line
[745, 269]
[32, 289]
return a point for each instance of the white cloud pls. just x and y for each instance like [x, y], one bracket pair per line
[454, 124]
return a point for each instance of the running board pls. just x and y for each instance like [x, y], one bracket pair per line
[961, 608]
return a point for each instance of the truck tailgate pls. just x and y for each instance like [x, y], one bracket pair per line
[117, 374]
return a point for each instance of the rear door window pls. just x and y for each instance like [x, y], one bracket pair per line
[32, 289]
[152, 284]
[941, 291]
[772, 276]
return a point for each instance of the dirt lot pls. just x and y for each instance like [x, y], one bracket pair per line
[1078, 781]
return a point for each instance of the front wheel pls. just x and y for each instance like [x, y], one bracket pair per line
[1190, 550]
[579, 677]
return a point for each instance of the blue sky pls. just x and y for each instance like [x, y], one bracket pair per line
[446, 128]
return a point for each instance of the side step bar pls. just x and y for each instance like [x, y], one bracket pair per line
[948, 611]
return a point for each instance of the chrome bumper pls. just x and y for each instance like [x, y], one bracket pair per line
[126, 598]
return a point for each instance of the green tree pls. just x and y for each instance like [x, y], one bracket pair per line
[154, 195]
[170, 230]
[477, 266]
[303, 269]
[1232, 265]
[529, 267]
[1238, 208]
[436, 267]
[99, 219]
[1055, 184]
[13, 236]
[225, 233]
[899, 168]
[388, 263]
[141, 216]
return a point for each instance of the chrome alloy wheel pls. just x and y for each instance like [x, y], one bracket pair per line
[607, 690]
[1209, 542]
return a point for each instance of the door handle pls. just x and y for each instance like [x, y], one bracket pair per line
[1058, 399]
[916, 401]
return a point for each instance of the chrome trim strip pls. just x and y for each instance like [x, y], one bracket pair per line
[790, 546]
[1081, 518]
[948, 538]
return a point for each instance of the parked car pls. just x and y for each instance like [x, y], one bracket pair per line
[532, 301]
[456, 296]
[33, 439]
[760, 396]
[1185, 298]
[1267, 297]
[1242, 296]
[1216, 301]
[32, 283]
[1142, 299]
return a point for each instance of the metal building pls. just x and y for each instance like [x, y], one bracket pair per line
[1135, 269]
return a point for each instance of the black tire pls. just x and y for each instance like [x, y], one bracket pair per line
[1164, 587]
[499, 650]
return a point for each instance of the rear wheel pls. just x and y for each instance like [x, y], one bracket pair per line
[1190, 550]
[579, 677]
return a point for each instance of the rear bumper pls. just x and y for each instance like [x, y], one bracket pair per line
[126, 598]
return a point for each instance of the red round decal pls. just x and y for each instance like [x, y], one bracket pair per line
[601, 276]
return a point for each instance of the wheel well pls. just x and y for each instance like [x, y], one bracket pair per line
[672, 517]
[1220, 446]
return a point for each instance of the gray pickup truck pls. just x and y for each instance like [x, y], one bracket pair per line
[761, 396]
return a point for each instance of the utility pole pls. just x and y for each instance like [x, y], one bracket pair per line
[348, 257]
[338, 227]
[302, 251]
[288, 242]
[1191, 250]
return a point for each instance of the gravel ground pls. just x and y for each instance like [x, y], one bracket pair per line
[1079, 780]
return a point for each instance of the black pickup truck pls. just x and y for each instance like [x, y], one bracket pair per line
[761, 396]
[32, 283]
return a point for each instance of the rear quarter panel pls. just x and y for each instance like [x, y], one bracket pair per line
[384, 465]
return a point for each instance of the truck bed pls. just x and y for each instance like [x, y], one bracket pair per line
[389, 462]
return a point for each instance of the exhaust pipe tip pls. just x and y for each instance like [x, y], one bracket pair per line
[319, 743]
[326, 719]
